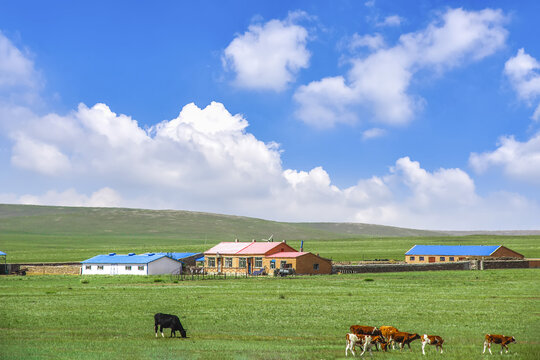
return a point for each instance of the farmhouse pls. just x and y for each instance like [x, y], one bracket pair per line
[258, 257]
[450, 253]
[130, 264]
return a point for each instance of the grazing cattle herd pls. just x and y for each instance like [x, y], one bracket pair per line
[366, 336]
[359, 335]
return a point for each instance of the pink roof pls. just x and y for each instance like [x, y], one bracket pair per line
[256, 248]
[228, 248]
[246, 248]
[287, 254]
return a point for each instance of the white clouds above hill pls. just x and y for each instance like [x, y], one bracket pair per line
[205, 160]
[379, 82]
[268, 56]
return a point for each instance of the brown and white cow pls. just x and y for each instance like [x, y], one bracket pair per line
[366, 330]
[361, 340]
[404, 338]
[498, 339]
[387, 331]
[432, 340]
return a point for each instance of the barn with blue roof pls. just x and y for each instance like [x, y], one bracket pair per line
[419, 254]
[131, 264]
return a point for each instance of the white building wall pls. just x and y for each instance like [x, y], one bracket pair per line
[114, 269]
[164, 265]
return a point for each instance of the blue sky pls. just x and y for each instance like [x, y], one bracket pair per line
[421, 114]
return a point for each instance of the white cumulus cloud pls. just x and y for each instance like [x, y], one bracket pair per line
[518, 160]
[16, 69]
[392, 20]
[268, 56]
[523, 71]
[379, 82]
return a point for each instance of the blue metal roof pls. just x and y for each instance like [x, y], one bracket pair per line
[200, 258]
[178, 255]
[2, 253]
[124, 259]
[457, 250]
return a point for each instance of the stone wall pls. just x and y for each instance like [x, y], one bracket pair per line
[46, 268]
[375, 268]
[506, 264]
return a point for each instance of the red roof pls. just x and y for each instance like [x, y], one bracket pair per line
[287, 254]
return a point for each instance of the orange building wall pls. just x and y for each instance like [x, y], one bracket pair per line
[301, 265]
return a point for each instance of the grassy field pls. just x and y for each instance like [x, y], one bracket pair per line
[69, 317]
[54, 248]
[57, 234]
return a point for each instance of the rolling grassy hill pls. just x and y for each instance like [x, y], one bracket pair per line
[51, 233]
[55, 220]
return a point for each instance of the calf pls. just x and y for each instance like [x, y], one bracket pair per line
[378, 339]
[168, 321]
[432, 340]
[498, 339]
[404, 338]
[362, 340]
[387, 332]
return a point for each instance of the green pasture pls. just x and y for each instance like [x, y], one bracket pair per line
[56, 234]
[307, 317]
[76, 247]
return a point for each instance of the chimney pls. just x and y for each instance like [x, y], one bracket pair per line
[284, 241]
[236, 240]
[302, 246]
[253, 240]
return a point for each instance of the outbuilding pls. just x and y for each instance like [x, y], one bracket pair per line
[130, 264]
[419, 254]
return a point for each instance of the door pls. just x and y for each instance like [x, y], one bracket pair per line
[114, 269]
[219, 265]
[432, 259]
[249, 265]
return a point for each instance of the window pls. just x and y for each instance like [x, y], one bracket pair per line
[420, 258]
[411, 258]
[258, 262]
[88, 267]
[100, 267]
[228, 262]
[441, 258]
[241, 262]
[211, 262]
[141, 267]
[451, 258]
[128, 267]
[283, 264]
[316, 267]
[273, 264]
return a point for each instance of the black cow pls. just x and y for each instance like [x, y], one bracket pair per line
[168, 321]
